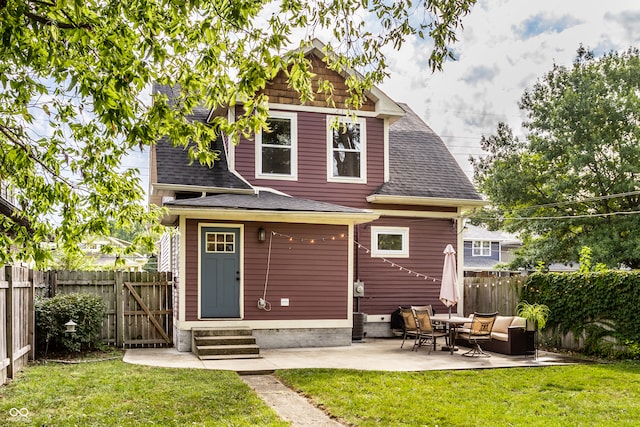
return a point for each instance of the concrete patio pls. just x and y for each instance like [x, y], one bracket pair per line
[370, 354]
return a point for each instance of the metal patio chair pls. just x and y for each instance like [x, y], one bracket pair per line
[427, 333]
[479, 331]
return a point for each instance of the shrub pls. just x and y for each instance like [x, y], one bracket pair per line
[52, 314]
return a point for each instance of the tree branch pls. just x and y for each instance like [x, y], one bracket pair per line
[62, 25]
[12, 137]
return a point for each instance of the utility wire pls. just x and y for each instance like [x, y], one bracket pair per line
[527, 218]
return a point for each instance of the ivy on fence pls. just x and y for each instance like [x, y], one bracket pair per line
[592, 305]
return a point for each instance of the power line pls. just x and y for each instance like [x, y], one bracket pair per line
[572, 216]
[572, 202]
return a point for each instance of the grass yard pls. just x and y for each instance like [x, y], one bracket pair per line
[113, 393]
[580, 395]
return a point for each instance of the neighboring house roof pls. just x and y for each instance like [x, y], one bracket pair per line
[92, 248]
[480, 263]
[421, 166]
[8, 205]
[475, 233]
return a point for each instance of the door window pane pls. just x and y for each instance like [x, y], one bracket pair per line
[220, 242]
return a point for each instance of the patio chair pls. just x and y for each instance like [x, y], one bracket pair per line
[427, 332]
[479, 331]
[410, 326]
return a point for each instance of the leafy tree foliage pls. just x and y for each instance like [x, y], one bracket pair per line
[75, 79]
[574, 179]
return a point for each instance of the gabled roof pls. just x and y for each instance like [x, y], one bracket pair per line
[176, 170]
[421, 168]
[385, 106]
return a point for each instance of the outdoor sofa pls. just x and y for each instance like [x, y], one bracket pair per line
[508, 336]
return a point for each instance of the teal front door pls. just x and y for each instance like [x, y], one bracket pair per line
[220, 272]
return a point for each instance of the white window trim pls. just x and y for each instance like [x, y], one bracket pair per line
[362, 179]
[293, 176]
[375, 252]
[480, 251]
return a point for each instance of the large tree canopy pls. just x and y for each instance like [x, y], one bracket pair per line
[75, 78]
[574, 180]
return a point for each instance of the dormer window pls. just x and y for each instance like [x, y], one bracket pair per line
[277, 149]
[346, 142]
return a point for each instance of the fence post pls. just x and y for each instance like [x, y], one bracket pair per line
[119, 289]
[31, 329]
[9, 310]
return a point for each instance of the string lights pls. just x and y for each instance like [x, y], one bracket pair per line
[393, 264]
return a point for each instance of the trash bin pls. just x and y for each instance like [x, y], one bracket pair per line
[357, 333]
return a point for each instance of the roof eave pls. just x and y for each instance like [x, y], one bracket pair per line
[305, 217]
[425, 201]
[158, 189]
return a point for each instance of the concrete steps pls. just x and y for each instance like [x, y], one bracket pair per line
[225, 343]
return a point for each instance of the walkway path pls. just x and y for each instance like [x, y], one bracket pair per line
[289, 405]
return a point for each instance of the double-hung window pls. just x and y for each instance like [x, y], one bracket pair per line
[346, 153]
[390, 242]
[277, 147]
[480, 248]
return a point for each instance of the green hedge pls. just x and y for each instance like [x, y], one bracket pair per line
[52, 314]
[595, 305]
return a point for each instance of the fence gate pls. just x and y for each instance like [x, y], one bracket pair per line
[147, 314]
[139, 305]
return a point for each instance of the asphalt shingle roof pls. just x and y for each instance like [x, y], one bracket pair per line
[420, 165]
[174, 163]
[263, 200]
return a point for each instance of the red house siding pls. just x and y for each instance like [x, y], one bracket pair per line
[190, 276]
[312, 164]
[312, 275]
[387, 287]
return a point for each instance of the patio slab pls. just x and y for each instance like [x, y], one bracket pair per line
[370, 354]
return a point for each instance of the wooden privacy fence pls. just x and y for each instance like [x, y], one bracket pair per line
[18, 288]
[489, 294]
[139, 305]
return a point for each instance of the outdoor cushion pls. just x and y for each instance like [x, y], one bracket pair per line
[519, 322]
[500, 336]
[502, 324]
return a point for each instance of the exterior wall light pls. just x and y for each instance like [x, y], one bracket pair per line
[262, 234]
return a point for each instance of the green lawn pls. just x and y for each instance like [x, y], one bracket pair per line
[113, 393]
[579, 395]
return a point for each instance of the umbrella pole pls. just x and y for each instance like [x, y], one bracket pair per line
[451, 337]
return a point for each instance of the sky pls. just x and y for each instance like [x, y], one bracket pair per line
[504, 48]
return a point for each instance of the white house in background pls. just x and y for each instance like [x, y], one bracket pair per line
[486, 252]
[92, 247]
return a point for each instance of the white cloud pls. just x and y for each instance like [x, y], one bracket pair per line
[506, 45]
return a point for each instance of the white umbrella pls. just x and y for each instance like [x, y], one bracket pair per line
[449, 286]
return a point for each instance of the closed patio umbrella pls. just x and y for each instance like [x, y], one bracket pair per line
[449, 286]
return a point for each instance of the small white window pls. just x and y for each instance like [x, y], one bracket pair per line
[481, 248]
[390, 242]
[346, 152]
[277, 149]
[220, 242]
